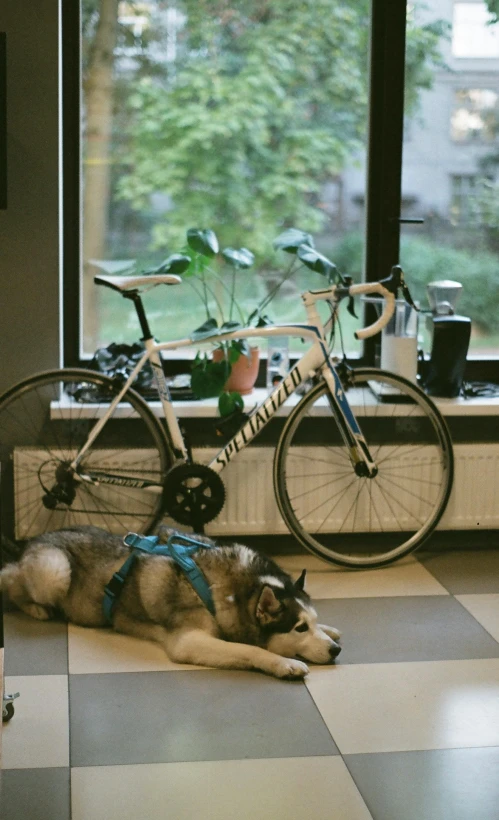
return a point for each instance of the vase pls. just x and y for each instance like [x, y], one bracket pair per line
[244, 372]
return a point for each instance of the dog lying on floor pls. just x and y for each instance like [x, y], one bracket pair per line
[263, 619]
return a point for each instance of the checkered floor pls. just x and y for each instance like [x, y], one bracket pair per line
[404, 727]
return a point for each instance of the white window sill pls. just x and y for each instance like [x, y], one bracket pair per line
[448, 407]
[208, 408]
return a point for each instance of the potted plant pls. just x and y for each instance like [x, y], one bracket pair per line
[215, 274]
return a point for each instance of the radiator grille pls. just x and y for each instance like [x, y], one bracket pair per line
[250, 504]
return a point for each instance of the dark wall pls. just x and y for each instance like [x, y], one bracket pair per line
[29, 227]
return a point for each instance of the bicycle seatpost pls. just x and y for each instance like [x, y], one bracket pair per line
[134, 296]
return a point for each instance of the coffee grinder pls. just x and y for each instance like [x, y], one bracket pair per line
[450, 337]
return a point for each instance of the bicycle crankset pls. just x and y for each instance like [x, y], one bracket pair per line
[194, 494]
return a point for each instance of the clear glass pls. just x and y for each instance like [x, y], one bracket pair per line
[242, 118]
[450, 171]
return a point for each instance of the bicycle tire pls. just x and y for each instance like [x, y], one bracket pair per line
[385, 517]
[43, 426]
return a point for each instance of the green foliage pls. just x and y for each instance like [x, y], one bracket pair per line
[493, 7]
[425, 261]
[264, 103]
[206, 276]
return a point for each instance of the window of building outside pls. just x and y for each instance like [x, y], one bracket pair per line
[472, 34]
[464, 208]
[475, 115]
[451, 171]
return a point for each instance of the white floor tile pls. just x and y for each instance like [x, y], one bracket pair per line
[409, 706]
[37, 737]
[485, 608]
[293, 788]
[405, 577]
[101, 650]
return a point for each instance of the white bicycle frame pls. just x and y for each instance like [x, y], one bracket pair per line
[315, 361]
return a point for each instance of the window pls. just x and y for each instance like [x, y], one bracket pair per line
[472, 34]
[235, 117]
[475, 116]
[138, 200]
[450, 166]
[463, 201]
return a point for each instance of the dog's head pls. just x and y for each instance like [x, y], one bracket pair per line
[288, 623]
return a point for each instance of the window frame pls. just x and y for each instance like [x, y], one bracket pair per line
[383, 184]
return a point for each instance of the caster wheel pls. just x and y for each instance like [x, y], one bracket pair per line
[8, 712]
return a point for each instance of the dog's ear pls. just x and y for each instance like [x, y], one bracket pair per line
[300, 583]
[267, 607]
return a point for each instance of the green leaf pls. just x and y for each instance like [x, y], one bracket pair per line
[207, 329]
[230, 402]
[291, 240]
[317, 261]
[208, 378]
[229, 327]
[176, 263]
[204, 242]
[242, 258]
[242, 347]
[234, 354]
[264, 321]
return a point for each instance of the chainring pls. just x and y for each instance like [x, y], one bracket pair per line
[194, 494]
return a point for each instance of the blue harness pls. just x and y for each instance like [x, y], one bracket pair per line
[179, 548]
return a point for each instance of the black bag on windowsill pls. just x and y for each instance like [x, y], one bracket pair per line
[118, 360]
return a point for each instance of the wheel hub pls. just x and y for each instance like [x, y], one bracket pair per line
[64, 489]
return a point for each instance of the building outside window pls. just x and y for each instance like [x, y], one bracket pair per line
[450, 168]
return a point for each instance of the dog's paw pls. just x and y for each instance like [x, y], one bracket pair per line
[290, 668]
[37, 611]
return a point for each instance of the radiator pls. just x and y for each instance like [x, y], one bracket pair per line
[250, 506]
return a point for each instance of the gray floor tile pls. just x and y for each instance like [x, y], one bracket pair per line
[35, 794]
[35, 647]
[159, 717]
[409, 628]
[464, 571]
[450, 784]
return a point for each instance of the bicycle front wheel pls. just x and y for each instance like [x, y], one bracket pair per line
[358, 521]
[44, 421]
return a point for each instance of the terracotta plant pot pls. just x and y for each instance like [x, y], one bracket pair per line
[244, 372]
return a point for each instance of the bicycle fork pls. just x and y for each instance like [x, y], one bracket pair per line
[362, 461]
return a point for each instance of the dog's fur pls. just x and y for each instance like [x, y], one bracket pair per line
[264, 620]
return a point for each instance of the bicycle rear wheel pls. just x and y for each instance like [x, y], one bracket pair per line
[44, 422]
[357, 521]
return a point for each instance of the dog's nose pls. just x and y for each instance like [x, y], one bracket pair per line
[334, 651]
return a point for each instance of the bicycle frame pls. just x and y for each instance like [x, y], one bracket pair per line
[315, 361]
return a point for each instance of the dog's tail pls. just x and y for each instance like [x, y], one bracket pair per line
[42, 576]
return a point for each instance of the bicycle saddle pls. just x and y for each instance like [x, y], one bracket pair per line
[126, 283]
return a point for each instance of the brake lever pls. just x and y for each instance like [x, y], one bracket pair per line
[351, 305]
[396, 282]
[351, 308]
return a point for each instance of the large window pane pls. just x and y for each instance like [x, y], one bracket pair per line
[450, 170]
[243, 117]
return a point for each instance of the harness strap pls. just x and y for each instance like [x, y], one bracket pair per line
[179, 547]
[115, 586]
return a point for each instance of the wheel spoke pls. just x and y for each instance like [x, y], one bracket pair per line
[398, 507]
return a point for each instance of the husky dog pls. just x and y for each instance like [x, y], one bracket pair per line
[264, 620]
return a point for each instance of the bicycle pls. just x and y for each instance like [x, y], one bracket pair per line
[363, 468]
